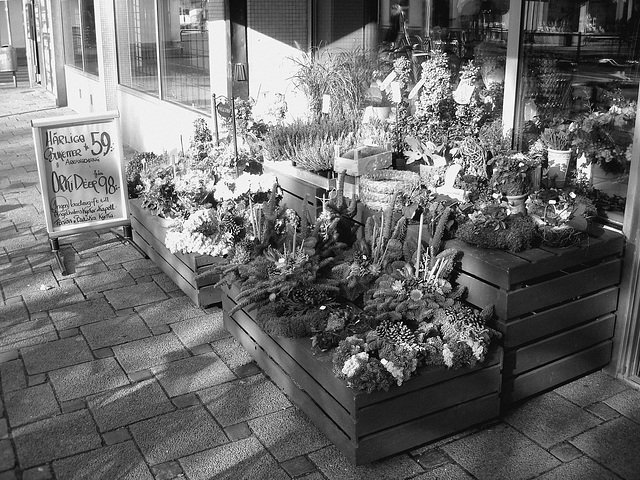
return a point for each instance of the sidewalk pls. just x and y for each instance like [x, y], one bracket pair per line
[111, 372]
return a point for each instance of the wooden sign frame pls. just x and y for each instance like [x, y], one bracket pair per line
[80, 162]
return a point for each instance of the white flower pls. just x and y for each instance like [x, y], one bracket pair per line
[352, 365]
[447, 354]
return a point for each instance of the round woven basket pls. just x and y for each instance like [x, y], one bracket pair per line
[377, 188]
[561, 236]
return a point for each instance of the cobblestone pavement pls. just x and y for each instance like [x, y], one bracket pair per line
[110, 372]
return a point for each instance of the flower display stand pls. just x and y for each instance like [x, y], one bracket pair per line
[555, 307]
[186, 270]
[365, 427]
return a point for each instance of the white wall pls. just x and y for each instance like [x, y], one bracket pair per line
[85, 94]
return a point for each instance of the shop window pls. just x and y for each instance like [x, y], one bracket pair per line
[165, 55]
[79, 34]
[136, 33]
[185, 54]
[579, 69]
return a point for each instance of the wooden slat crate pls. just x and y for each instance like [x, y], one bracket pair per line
[365, 427]
[555, 307]
[149, 232]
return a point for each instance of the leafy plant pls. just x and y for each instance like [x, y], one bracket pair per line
[512, 173]
[558, 137]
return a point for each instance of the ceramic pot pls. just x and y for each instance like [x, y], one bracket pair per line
[517, 203]
[558, 166]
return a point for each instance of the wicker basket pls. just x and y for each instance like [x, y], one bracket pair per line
[377, 188]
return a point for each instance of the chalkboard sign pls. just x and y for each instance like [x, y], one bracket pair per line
[81, 168]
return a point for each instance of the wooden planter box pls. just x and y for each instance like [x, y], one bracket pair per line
[365, 427]
[149, 232]
[555, 307]
[362, 160]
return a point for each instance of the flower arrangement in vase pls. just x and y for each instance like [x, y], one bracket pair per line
[557, 141]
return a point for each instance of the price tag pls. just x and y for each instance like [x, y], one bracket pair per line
[326, 103]
[414, 91]
[396, 95]
[387, 80]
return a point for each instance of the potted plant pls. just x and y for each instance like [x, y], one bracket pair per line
[557, 141]
[513, 176]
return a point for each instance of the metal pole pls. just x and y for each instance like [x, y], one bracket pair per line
[214, 114]
[235, 133]
[6, 10]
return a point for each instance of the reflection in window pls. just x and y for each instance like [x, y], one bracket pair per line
[136, 28]
[177, 70]
[579, 71]
[185, 54]
[79, 34]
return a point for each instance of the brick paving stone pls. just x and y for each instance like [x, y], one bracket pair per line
[69, 332]
[82, 313]
[31, 404]
[582, 468]
[169, 311]
[118, 255]
[16, 268]
[167, 471]
[243, 399]
[149, 352]
[55, 437]
[247, 370]
[13, 313]
[565, 452]
[334, 465]
[8, 475]
[116, 436]
[627, 403]
[298, 466]
[614, 445]
[192, 430]
[12, 375]
[42, 472]
[602, 410]
[500, 453]
[73, 405]
[4, 428]
[122, 460]
[104, 353]
[231, 352]
[200, 349]
[141, 375]
[38, 379]
[129, 404]
[25, 284]
[245, 459]
[590, 389]
[184, 401]
[432, 459]
[288, 434]
[115, 331]
[445, 472]
[238, 431]
[199, 330]
[9, 355]
[26, 333]
[64, 295]
[165, 283]
[7, 457]
[192, 374]
[104, 281]
[57, 354]
[141, 267]
[160, 329]
[550, 419]
[87, 378]
[135, 295]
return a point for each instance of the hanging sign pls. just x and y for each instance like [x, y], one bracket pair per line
[81, 169]
[224, 110]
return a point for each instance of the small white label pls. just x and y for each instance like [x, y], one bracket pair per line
[326, 103]
[462, 94]
[414, 91]
[387, 80]
[395, 92]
